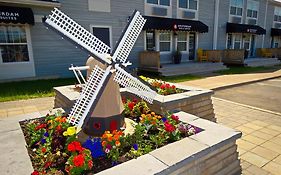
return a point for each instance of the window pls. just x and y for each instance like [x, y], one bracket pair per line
[188, 4]
[229, 41]
[159, 2]
[13, 44]
[277, 14]
[150, 41]
[252, 9]
[182, 41]
[164, 41]
[237, 41]
[102, 33]
[236, 7]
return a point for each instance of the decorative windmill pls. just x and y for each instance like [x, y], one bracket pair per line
[99, 106]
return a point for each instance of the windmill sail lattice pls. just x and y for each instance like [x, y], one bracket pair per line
[68, 27]
[99, 77]
[129, 38]
[88, 96]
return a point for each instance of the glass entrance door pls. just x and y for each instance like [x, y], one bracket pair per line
[191, 46]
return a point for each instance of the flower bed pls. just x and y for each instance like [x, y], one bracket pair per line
[162, 87]
[54, 147]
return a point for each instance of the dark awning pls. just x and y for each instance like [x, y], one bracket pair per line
[16, 15]
[244, 28]
[275, 32]
[157, 23]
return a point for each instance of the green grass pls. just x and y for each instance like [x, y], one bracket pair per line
[31, 89]
[245, 70]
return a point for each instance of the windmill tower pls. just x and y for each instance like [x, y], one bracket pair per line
[99, 106]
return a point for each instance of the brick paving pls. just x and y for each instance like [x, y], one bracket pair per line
[13, 108]
[260, 145]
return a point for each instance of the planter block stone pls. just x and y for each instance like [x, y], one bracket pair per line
[212, 151]
[195, 101]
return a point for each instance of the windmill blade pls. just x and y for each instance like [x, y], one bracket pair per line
[133, 85]
[75, 32]
[128, 38]
[88, 96]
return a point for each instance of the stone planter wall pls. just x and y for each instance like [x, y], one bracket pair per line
[195, 101]
[212, 151]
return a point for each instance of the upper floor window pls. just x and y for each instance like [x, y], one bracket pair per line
[252, 9]
[277, 14]
[236, 7]
[188, 4]
[159, 2]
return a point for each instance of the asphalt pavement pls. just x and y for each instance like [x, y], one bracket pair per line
[264, 94]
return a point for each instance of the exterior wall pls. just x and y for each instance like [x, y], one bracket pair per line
[207, 16]
[223, 18]
[63, 52]
[269, 23]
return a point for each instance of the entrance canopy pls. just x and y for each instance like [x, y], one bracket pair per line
[275, 32]
[16, 15]
[157, 23]
[244, 28]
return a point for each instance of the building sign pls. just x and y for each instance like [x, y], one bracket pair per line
[182, 27]
[252, 30]
[16, 15]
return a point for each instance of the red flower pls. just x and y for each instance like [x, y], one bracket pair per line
[43, 150]
[47, 164]
[169, 127]
[173, 86]
[40, 127]
[131, 105]
[167, 85]
[78, 160]
[71, 147]
[35, 173]
[135, 100]
[74, 146]
[90, 164]
[174, 117]
[162, 86]
[59, 128]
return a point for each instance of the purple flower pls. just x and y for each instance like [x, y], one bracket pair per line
[164, 119]
[43, 141]
[136, 146]
[182, 127]
[46, 134]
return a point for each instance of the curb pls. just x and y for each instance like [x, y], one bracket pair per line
[248, 106]
[244, 83]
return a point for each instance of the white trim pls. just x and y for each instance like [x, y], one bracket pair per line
[171, 43]
[216, 24]
[180, 10]
[230, 15]
[33, 2]
[144, 37]
[103, 26]
[27, 68]
[258, 10]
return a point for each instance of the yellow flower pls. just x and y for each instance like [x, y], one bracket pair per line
[152, 113]
[70, 131]
[58, 153]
